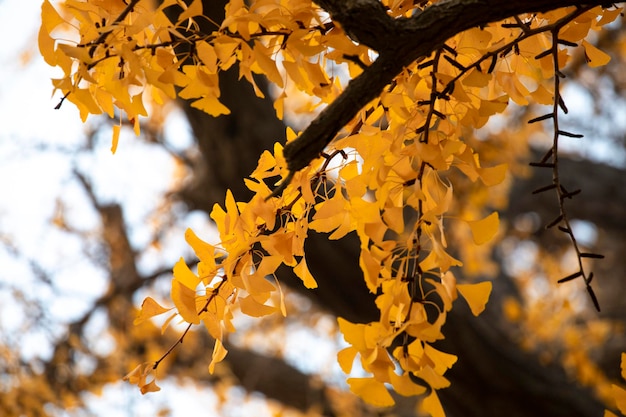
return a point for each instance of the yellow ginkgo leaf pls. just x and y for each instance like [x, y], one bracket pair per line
[204, 251]
[219, 353]
[266, 64]
[150, 387]
[403, 385]
[115, 139]
[432, 406]
[619, 395]
[194, 9]
[149, 309]
[476, 295]
[167, 322]
[484, 230]
[139, 376]
[493, 175]
[185, 301]
[442, 360]
[253, 308]
[210, 105]
[50, 18]
[623, 365]
[183, 274]
[302, 271]
[345, 358]
[371, 391]
[594, 56]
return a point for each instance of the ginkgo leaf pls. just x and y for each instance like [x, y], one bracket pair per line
[204, 251]
[253, 308]
[476, 295]
[139, 376]
[279, 106]
[594, 56]
[185, 301]
[353, 333]
[371, 270]
[150, 387]
[403, 385]
[183, 274]
[212, 324]
[442, 360]
[50, 18]
[484, 230]
[266, 64]
[432, 406]
[115, 139]
[194, 9]
[149, 309]
[302, 271]
[219, 353]
[434, 379]
[623, 366]
[167, 322]
[619, 395]
[493, 175]
[46, 47]
[394, 218]
[345, 358]
[210, 105]
[207, 54]
[371, 391]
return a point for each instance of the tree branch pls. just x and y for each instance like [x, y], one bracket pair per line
[399, 43]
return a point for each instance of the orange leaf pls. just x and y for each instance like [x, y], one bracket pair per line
[149, 309]
[493, 175]
[476, 295]
[619, 395]
[266, 64]
[219, 353]
[484, 230]
[403, 385]
[594, 56]
[210, 105]
[432, 406]
[185, 301]
[116, 137]
[150, 387]
[345, 357]
[183, 274]
[371, 391]
[140, 374]
[194, 9]
[302, 271]
[204, 251]
[253, 308]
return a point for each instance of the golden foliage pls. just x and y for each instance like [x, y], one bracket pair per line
[391, 187]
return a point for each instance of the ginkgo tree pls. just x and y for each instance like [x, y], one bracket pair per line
[398, 90]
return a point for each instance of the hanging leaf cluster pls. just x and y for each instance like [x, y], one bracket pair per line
[386, 177]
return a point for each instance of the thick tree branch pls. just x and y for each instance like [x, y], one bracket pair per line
[399, 42]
